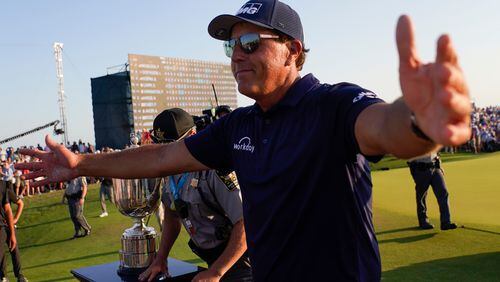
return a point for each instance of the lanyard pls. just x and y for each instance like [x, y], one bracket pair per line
[175, 188]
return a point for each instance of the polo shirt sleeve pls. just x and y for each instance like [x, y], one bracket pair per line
[352, 100]
[210, 146]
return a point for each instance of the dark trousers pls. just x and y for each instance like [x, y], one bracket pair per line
[433, 177]
[14, 254]
[106, 191]
[76, 214]
[241, 271]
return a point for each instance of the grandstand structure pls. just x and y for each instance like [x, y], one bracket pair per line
[127, 101]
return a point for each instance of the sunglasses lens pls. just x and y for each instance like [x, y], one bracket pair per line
[229, 47]
[249, 42]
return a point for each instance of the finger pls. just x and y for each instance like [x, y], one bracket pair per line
[457, 134]
[34, 153]
[40, 183]
[29, 166]
[405, 41]
[152, 276]
[458, 108]
[454, 102]
[33, 175]
[445, 51]
[450, 76]
[50, 143]
[144, 275]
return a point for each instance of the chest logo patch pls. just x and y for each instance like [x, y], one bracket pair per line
[245, 144]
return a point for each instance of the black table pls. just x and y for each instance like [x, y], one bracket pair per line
[179, 270]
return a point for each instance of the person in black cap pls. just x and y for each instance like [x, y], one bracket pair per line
[208, 205]
[301, 151]
[222, 110]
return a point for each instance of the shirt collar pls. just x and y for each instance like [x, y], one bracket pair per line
[293, 96]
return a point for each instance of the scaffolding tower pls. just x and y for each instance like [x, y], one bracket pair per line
[60, 81]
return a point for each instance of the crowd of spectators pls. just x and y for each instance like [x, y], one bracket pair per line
[485, 135]
[486, 129]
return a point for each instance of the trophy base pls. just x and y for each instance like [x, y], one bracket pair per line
[138, 250]
[129, 271]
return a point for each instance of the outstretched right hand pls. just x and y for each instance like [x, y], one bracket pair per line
[58, 165]
[159, 266]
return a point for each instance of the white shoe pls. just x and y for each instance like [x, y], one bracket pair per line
[103, 214]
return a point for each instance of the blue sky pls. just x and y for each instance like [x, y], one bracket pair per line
[349, 41]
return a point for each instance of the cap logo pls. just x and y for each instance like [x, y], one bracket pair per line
[249, 8]
[159, 134]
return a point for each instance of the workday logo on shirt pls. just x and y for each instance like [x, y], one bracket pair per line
[245, 144]
[249, 8]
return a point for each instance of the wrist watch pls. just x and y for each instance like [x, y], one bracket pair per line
[417, 131]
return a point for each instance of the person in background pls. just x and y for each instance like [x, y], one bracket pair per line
[75, 193]
[7, 231]
[106, 190]
[14, 253]
[427, 171]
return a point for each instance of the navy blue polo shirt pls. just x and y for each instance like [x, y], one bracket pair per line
[306, 188]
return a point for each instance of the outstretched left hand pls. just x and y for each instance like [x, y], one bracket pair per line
[435, 92]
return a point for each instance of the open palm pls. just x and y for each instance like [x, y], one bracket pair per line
[436, 92]
[55, 166]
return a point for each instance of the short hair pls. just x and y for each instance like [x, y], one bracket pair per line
[301, 59]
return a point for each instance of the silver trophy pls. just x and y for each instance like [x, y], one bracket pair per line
[137, 198]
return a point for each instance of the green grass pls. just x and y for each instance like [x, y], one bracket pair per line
[471, 253]
[391, 162]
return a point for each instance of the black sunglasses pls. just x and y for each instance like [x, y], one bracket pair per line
[248, 43]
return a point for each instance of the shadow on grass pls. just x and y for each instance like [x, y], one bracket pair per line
[44, 244]
[59, 279]
[409, 239]
[414, 228]
[72, 259]
[42, 223]
[481, 230]
[479, 267]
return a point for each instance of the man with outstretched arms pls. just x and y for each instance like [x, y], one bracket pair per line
[301, 151]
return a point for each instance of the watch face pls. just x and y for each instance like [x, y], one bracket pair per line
[182, 208]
